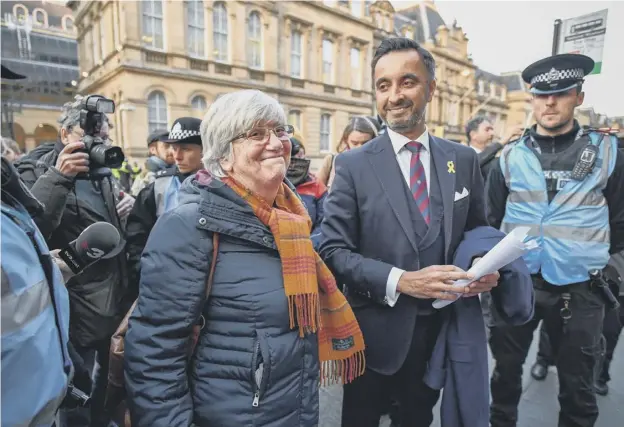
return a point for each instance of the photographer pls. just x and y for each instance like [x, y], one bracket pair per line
[73, 181]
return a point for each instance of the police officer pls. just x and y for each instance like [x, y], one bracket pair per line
[564, 183]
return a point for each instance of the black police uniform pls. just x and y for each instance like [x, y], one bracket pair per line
[578, 337]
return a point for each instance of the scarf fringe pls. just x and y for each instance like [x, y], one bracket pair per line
[307, 308]
[342, 371]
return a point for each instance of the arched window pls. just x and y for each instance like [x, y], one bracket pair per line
[254, 40]
[220, 32]
[68, 23]
[195, 27]
[325, 132]
[40, 17]
[20, 12]
[156, 111]
[199, 103]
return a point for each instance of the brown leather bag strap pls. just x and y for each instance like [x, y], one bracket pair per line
[213, 264]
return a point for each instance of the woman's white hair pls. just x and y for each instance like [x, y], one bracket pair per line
[231, 115]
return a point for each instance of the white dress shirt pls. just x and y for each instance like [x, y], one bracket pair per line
[404, 157]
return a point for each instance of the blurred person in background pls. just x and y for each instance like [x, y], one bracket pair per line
[160, 158]
[312, 191]
[10, 150]
[358, 132]
[161, 195]
[74, 199]
[126, 174]
[275, 324]
[480, 136]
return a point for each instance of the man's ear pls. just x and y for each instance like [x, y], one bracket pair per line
[580, 98]
[431, 87]
[64, 136]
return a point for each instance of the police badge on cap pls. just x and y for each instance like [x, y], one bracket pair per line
[558, 73]
[185, 130]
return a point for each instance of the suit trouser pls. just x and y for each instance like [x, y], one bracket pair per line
[575, 346]
[367, 397]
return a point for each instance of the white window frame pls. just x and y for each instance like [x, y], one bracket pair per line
[66, 19]
[254, 40]
[148, 14]
[160, 122]
[294, 118]
[24, 11]
[44, 15]
[325, 133]
[481, 90]
[220, 30]
[356, 72]
[195, 28]
[296, 54]
[328, 61]
[198, 102]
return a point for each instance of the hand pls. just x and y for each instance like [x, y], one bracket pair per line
[65, 270]
[435, 281]
[512, 134]
[484, 284]
[71, 162]
[125, 205]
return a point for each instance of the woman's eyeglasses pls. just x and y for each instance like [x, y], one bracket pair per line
[261, 134]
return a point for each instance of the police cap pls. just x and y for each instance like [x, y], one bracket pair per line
[557, 73]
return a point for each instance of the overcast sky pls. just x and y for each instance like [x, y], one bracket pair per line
[509, 35]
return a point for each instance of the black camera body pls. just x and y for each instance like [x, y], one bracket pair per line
[92, 117]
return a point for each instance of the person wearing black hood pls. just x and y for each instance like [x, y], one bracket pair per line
[160, 158]
[74, 198]
[160, 196]
[312, 191]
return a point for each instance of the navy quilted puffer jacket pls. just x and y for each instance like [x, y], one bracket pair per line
[249, 367]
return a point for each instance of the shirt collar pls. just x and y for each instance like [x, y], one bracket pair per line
[398, 141]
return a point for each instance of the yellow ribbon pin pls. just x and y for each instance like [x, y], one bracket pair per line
[451, 166]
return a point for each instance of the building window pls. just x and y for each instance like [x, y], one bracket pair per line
[343, 3]
[481, 87]
[328, 59]
[195, 27]
[199, 103]
[294, 118]
[20, 12]
[356, 8]
[220, 32]
[254, 40]
[409, 33]
[156, 111]
[68, 23]
[296, 54]
[356, 73]
[40, 17]
[325, 132]
[367, 5]
[152, 24]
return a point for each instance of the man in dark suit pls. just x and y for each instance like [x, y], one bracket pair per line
[397, 211]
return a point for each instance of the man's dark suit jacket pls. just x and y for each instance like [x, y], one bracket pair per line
[487, 157]
[367, 230]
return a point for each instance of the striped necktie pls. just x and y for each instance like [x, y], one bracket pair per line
[418, 180]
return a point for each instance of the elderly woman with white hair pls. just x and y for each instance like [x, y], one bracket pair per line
[273, 325]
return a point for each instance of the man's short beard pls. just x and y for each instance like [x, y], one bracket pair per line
[409, 124]
[556, 127]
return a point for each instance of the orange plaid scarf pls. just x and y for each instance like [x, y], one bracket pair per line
[313, 296]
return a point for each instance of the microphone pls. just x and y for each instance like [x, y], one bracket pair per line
[96, 241]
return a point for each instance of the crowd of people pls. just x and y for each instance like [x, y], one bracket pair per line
[242, 281]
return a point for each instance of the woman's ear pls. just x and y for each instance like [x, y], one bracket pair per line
[64, 135]
[226, 165]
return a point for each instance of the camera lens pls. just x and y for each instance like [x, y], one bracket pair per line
[107, 156]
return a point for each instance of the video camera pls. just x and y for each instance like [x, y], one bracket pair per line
[92, 117]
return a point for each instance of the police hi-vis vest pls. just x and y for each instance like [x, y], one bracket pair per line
[35, 362]
[166, 187]
[573, 229]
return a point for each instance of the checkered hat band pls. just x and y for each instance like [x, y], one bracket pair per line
[553, 76]
[182, 134]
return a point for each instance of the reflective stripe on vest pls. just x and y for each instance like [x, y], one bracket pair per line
[34, 377]
[573, 229]
[166, 193]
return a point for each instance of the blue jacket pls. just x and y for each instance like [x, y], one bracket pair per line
[313, 194]
[573, 229]
[249, 367]
[36, 367]
[459, 362]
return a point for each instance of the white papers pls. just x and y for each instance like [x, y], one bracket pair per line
[506, 251]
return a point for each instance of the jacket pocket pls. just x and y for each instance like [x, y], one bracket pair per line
[260, 368]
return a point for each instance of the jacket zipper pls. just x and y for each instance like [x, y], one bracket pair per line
[256, 387]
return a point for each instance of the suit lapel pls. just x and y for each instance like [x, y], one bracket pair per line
[387, 170]
[443, 155]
